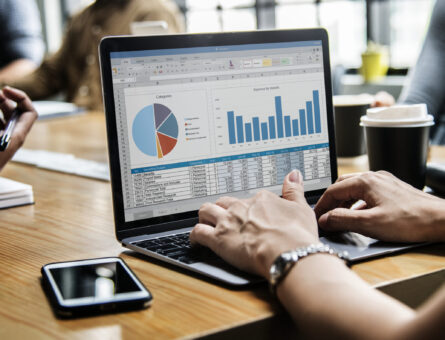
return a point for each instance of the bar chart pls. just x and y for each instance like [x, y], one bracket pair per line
[305, 120]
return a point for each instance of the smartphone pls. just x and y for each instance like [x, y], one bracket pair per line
[91, 287]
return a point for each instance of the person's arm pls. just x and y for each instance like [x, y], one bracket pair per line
[328, 301]
[391, 210]
[16, 69]
[9, 99]
[324, 297]
[21, 39]
[50, 77]
[427, 83]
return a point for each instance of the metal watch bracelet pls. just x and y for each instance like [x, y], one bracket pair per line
[285, 261]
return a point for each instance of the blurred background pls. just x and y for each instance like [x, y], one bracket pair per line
[400, 25]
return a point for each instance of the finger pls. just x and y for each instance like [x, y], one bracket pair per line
[346, 176]
[210, 213]
[203, 234]
[293, 189]
[23, 125]
[239, 210]
[19, 97]
[226, 201]
[353, 188]
[19, 133]
[6, 105]
[341, 219]
[383, 98]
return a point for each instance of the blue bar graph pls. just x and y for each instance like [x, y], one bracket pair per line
[302, 122]
[277, 126]
[231, 124]
[279, 114]
[295, 127]
[264, 135]
[310, 120]
[287, 126]
[316, 111]
[239, 129]
[248, 127]
[256, 128]
[272, 127]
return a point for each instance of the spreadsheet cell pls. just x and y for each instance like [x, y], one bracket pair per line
[160, 186]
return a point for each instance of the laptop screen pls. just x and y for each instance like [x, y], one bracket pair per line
[195, 124]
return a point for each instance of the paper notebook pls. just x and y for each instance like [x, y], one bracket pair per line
[13, 193]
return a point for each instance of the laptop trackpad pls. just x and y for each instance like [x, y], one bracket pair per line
[361, 247]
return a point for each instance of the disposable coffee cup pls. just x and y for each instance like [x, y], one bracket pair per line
[349, 135]
[397, 140]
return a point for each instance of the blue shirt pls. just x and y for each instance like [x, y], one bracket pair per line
[20, 31]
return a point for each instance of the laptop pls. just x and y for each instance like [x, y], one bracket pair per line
[194, 117]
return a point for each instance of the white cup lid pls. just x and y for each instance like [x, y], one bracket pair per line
[398, 115]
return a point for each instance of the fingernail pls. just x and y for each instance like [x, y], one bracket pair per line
[295, 177]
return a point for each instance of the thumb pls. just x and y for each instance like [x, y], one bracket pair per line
[293, 186]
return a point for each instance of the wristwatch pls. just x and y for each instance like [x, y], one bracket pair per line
[285, 261]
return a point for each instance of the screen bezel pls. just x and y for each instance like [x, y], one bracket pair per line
[126, 229]
[143, 293]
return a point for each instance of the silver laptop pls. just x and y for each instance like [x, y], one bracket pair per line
[191, 118]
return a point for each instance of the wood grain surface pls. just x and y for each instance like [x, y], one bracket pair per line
[73, 219]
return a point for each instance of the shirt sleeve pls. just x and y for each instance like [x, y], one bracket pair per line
[427, 84]
[20, 31]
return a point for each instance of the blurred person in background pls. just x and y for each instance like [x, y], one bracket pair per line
[427, 79]
[74, 68]
[20, 39]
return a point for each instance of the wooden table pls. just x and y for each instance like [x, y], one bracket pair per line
[72, 219]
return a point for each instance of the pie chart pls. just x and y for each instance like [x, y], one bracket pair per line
[155, 130]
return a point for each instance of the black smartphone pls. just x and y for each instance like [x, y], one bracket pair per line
[95, 286]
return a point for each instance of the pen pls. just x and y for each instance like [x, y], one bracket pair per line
[6, 137]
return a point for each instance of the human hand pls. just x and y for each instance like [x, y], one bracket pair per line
[392, 210]
[383, 98]
[251, 233]
[9, 99]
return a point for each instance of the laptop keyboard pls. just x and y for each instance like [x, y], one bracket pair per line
[178, 247]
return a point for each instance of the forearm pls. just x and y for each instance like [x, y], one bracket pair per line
[16, 69]
[327, 300]
[429, 322]
[43, 82]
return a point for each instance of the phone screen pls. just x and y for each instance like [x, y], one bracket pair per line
[96, 281]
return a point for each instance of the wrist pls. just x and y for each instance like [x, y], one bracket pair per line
[312, 271]
[433, 227]
[271, 249]
[437, 232]
[286, 261]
